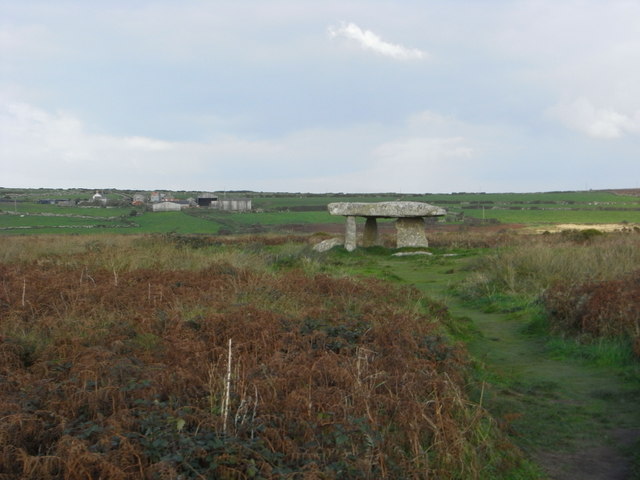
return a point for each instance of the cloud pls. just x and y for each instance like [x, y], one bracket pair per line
[406, 159]
[370, 41]
[606, 123]
[427, 152]
[417, 163]
[407, 165]
[55, 149]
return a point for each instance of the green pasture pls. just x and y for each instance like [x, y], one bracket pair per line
[35, 194]
[24, 221]
[161, 222]
[264, 218]
[178, 222]
[279, 210]
[34, 208]
[586, 199]
[557, 216]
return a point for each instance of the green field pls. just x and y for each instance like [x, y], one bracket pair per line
[21, 213]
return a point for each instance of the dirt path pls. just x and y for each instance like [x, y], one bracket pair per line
[576, 421]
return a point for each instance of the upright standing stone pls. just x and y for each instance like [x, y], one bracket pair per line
[350, 234]
[370, 236]
[410, 232]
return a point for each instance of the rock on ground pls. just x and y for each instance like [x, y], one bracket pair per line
[327, 245]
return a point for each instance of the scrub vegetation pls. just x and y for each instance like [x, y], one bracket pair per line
[587, 283]
[191, 357]
[563, 382]
[503, 355]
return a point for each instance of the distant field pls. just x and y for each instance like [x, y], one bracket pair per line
[32, 207]
[20, 212]
[505, 199]
[561, 216]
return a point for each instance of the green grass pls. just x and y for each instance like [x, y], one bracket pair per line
[558, 216]
[17, 221]
[178, 222]
[161, 222]
[558, 199]
[616, 353]
[266, 218]
[271, 211]
[36, 208]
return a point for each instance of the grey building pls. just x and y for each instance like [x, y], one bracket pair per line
[234, 204]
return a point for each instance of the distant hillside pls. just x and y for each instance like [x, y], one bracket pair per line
[626, 191]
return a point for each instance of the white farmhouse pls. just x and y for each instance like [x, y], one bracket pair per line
[98, 198]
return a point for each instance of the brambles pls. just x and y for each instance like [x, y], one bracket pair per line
[599, 309]
[134, 375]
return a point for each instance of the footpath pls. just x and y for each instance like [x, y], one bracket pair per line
[575, 420]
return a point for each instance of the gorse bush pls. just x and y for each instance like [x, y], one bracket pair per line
[156, 358]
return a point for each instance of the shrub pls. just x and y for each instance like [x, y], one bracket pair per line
[608, 308]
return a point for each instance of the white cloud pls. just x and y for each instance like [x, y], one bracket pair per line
[581, 115]
[146, 144]
[581, 56]
[370, 41]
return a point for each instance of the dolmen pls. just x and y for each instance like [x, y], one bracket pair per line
[410, 223]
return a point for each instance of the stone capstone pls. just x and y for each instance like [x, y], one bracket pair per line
[410, 223]
[386, 209]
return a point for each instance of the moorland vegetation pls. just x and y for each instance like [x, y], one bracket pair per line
[182, 357]
[586, 282]
[177, 355]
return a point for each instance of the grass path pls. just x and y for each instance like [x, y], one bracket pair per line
[575, 420]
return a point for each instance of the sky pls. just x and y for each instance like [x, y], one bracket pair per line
[424, 96]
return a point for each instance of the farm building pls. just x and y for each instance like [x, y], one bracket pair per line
[99, 199]
[156, 197]
[138, 199]
[234, 204]
[206, 199]
[169, 206]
